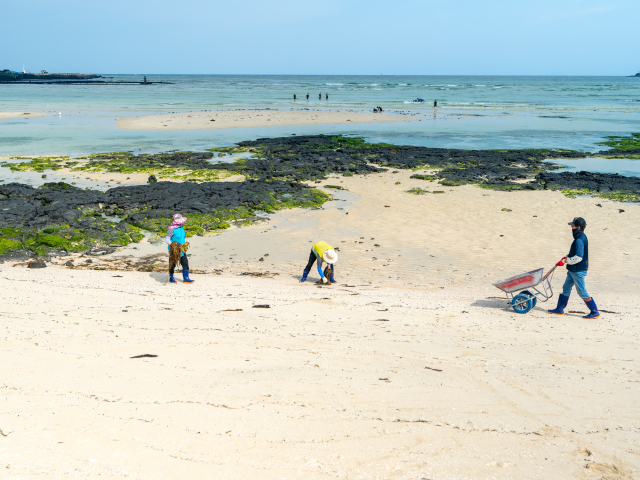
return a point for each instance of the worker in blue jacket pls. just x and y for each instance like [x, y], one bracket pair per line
[577, 265]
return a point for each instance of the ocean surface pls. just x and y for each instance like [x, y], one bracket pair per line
[473, 111]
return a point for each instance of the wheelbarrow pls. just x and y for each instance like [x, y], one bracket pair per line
[523, 291]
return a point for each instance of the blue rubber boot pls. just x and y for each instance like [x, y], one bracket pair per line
[562, 303]
[594, 310]
[185, 277]
[333, 270]
[304, 276]
[172, 280]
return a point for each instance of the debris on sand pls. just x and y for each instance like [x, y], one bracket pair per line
[258, 274]
[145, 355]
[262, 306]
[36, 264]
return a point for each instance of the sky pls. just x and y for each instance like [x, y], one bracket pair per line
[330, 37]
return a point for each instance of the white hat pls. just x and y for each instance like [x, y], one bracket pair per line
[330, 256]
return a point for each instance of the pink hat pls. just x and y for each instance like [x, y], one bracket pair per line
[178, 221]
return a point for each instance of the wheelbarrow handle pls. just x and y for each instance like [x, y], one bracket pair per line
[549, 272]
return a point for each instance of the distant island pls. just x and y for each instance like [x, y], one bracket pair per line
[10, 76]
[46, 78]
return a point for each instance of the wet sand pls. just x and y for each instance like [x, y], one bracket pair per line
[253, 118]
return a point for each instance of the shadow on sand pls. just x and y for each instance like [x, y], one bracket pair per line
[498, 304]
[160, 277]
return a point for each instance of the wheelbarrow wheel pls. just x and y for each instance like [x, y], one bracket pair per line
[533, 298]
[522, 303]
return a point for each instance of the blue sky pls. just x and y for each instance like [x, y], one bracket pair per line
[428, 37]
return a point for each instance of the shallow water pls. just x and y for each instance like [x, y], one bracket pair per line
[622, 166]
[498, 112]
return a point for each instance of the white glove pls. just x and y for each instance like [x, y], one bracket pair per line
[324, 280]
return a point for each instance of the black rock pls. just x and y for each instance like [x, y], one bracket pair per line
[36, 264]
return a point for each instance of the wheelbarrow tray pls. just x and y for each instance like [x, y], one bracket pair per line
[520, 282]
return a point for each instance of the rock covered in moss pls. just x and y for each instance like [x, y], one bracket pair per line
[60, 217]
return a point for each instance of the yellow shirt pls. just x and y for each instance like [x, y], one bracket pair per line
[321, 247]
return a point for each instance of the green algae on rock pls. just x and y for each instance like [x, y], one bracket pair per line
[181, 166]
[621, 147]
[58, 217]
[619, 142]
[304, 158]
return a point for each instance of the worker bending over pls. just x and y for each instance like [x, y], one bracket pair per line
[320, 252]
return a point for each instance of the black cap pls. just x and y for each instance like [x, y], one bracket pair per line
[578, 222]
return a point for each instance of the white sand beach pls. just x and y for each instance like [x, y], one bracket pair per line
[219, 119]
[410, 367]
[4, 115]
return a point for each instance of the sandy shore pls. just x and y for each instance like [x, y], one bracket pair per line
[252, 118]
[4, 115]
[411, 367]
[360, 382]
[388, 235]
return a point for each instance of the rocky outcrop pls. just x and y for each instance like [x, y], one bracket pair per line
[59, 217]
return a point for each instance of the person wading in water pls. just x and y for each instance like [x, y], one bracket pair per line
[176, 233]
[577, 265]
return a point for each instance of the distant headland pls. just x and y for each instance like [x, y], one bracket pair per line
[10, 76]
[44, 77]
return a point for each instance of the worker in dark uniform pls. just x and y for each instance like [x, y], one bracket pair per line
[577, 265]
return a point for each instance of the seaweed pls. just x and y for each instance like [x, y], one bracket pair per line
[424, 177]
[39, 164]
[417, 191]
[619, 142]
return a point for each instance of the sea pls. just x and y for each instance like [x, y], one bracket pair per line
[474, 112]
